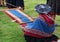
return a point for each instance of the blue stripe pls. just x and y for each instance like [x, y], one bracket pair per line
[20, 15]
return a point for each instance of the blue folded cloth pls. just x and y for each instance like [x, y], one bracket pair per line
[42, 26]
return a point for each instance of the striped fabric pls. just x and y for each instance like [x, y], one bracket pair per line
[41, 26]
[37, 28]
[19, 16]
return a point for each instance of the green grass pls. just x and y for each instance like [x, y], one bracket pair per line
[30, 5]
[11, 31]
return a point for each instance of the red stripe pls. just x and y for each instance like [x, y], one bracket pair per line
[24, 25]
[33, 35]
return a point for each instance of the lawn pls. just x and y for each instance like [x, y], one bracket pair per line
[11, 31]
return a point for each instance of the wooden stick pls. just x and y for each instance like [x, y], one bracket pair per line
[11, 9]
